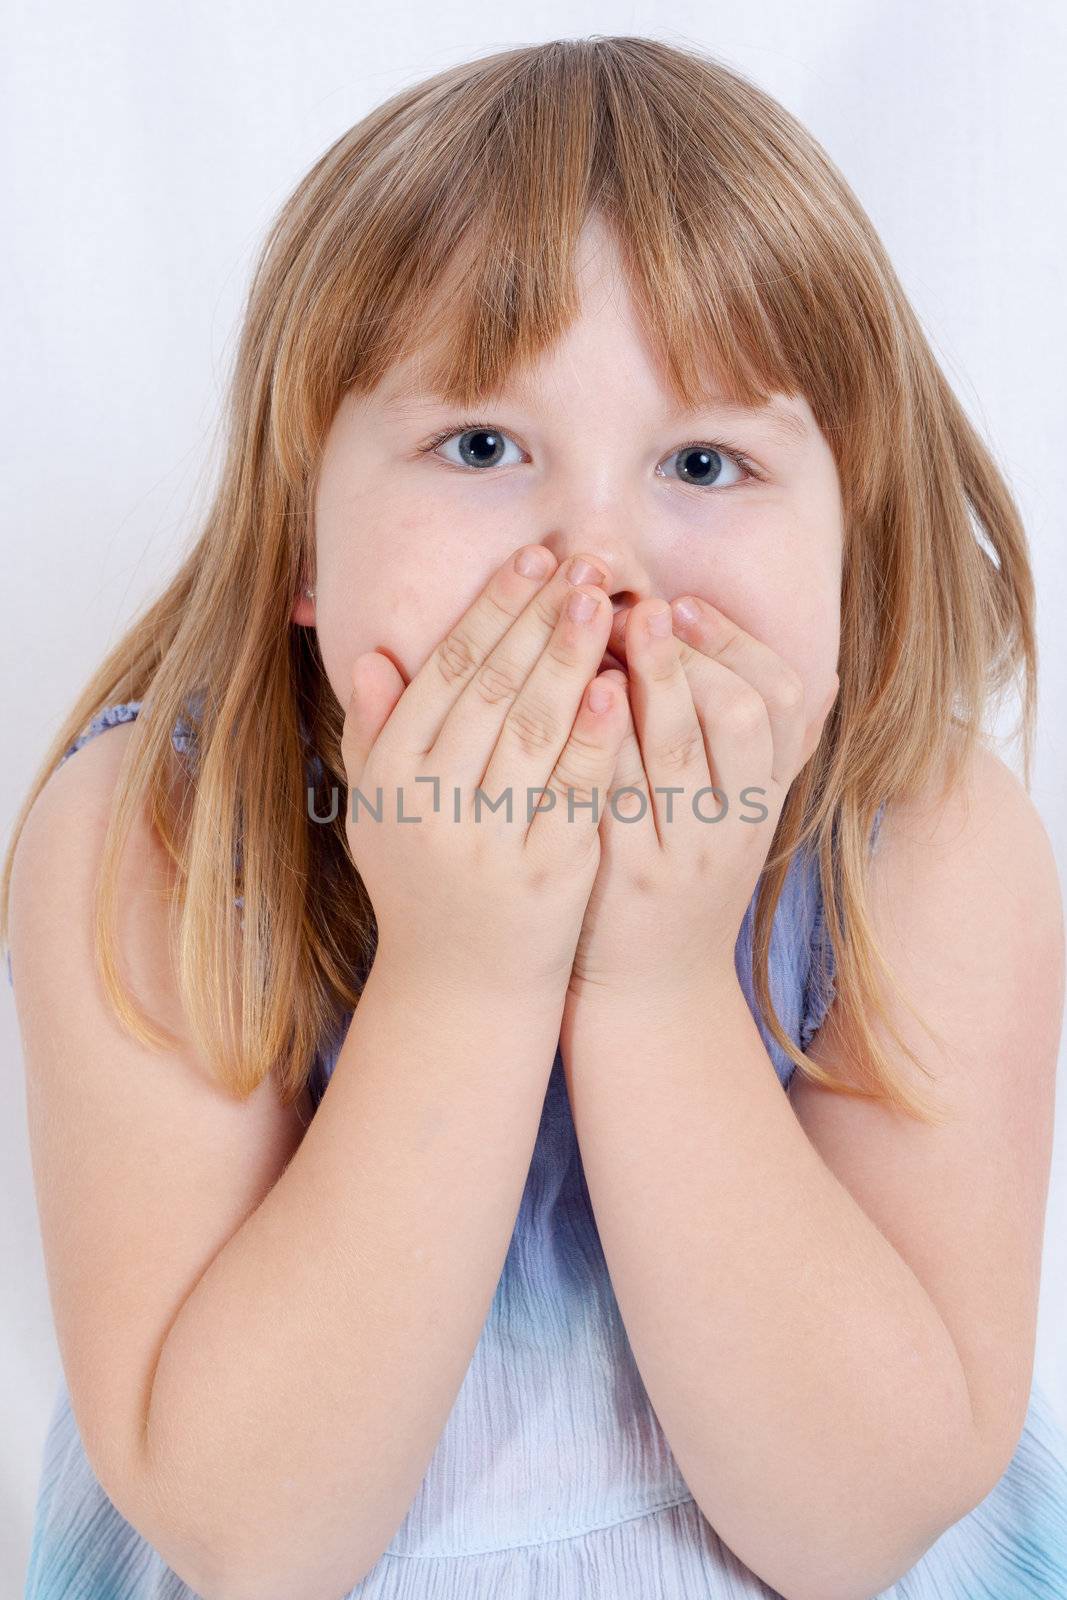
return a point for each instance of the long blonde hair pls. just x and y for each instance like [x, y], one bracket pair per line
[748, 256]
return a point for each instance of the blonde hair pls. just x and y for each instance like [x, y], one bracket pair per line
[749, 257]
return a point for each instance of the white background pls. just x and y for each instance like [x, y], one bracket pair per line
[146, 149]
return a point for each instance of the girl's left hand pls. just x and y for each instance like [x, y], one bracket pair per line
[712, 707]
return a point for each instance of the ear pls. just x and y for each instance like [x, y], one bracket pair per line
[303, 609]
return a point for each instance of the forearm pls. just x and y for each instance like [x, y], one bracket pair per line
[810, 1391]
[303, 1387]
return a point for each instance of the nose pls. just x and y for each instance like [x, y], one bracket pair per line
[628, 579]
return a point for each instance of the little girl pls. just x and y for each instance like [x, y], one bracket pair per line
[477, 1000]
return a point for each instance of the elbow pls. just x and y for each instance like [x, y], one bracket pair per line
[863, 1583]
[236, 1577]
[869, 1574]
[226, 1569]
[148, 1502]
[234, 1584]
[235, 1580]
[220, 1556]
[836, 1568]
[248, 1545]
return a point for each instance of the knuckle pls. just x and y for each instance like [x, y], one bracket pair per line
[633, 777]
[498, 679]
[743, 714]
[575, 788]
[548, 606]
[537, 878]
[583, 753]
[788, 692]
[663, 671]
[532, 726]
[679, 753]
[577, 767]
[455, 658]
[500, 611]
[562, 655]
[632, 794]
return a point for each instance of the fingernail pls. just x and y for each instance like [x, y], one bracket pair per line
[533, 563]
[600, 698]
[580, 571]
[658, 622]
[685, 610]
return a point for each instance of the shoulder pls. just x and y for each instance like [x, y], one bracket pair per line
[68, 819]
[56, 865]
[966, 905]
[74, 803]
[987, 793]
[84, 786]
[975, 864]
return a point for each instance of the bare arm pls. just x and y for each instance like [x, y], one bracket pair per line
[306, 1380]
[833, 1306]
[808, 1387]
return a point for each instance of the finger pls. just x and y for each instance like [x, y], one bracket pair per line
[582, 775]
[628, 801]
[617, 636]
[501, 688]
[668, 729]
[375, 690]
[715, 637]
[535, 728]
[449, 667]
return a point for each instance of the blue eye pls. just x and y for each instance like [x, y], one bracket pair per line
[481, 445]
[704, 465]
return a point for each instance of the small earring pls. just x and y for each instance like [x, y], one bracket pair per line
[310, 593]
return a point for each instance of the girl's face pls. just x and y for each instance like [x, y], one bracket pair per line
[590, 458]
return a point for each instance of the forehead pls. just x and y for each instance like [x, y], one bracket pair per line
[427, 364]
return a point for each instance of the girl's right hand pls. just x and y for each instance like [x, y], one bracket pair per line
[501, 703]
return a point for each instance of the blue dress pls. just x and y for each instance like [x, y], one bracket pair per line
[552, 1479]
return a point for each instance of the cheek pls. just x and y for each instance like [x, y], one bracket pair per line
[402, 601]
[804, 628]
[794, 614]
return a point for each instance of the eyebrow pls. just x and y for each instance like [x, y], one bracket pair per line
[777, 418]
[786, 424]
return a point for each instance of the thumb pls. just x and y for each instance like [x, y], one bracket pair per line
[374, 689]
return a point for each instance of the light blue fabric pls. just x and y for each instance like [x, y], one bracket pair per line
[552, 1479]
